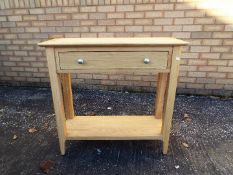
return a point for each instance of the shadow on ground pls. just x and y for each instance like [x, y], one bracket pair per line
[208, 133]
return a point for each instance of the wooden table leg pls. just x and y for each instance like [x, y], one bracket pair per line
[67, 95]
[160, 94]
[170, 98]
[57, 98]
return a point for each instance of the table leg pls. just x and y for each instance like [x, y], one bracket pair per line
[67, 95]
[170, 98]
[160, 94]
[57, 98]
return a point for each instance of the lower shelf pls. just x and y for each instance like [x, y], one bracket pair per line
[114, 128]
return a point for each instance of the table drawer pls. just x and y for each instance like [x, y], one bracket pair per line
[74, 60]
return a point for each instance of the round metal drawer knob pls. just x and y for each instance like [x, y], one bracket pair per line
[146, 60]
[80, 61]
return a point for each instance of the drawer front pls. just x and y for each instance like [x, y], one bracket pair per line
[112, 60]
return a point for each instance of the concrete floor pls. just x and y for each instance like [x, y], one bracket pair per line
[208, 131]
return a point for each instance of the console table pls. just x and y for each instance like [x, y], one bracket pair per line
[113, 55]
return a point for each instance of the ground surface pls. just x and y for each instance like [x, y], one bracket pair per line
[207, 128]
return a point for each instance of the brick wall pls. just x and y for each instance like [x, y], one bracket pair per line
[207, 64]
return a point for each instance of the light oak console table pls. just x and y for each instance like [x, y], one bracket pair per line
[113, 55]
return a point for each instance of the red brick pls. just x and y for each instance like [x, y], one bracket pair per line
[184, 6]
[228, 42]
[229, 28]
[8, 24]
[201, 35]
[62, 16]
[216, 75]
[209, 20]
[230, 63]
[210, 55]
[153, 14]
[124, 22]
[97, 15]
[100, 76]
[213, 27]
[163, 21]
[212, 42]
[106, 8]
[88, 35]
[222, 35]
[217, 62]
[172, 28]
[88, 9]
[32, 29]
[208, 68]
[115, 15]
[124, 83]
[97, 29]
[148, 78]
[14, 18]
[194, 13]
[53, 10]
[108, 82]
[228, 87]
[39, 23]
[116, 77]
[36, 11]
[124, 8]
[115, 28]
[195, 86]
[45, 17]
[152, 28]
[80, 29]
[80, 16]
[200, 49]
[141, 83]
[197, 62]
[142, 34]
[11, 74]
[189, 55]
[143, 7]
[70, 9]
[143, 21]
[205, 80]
[7, 63]
[225, 69]
[88, 22]
[85, 76]
[174, 14]
[181, 35]
[213, 86]
[227, 55]
[134, 15]
[224, 81]
[220, 48]
[106, 22]
[21, 11]
[133, 28]
[184, 21]
[163, 6]
[106, 35]
[132, 77]
[192, 28]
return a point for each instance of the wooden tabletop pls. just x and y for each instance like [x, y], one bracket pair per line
[164, 41]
